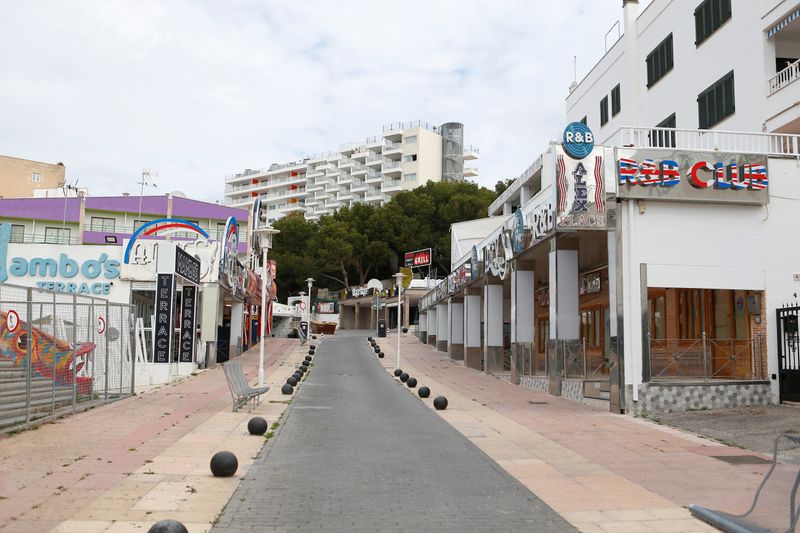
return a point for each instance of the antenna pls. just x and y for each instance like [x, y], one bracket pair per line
[575, 69]
[66, 188]
[146, 181]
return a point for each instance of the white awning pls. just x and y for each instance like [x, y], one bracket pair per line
[783, 23]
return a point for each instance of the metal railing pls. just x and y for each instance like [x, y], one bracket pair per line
[772, 144]
[387, 164]
[399, 126]
[784, 77]
[707, 359]
[61, 353]
[41, 238]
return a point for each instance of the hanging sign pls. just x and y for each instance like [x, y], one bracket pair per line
[693, 176]
[473, 273]
[188, 307]
[518, 231]
[187, 266]
[418, 258]
[578, 140]
[580, 191]
[590, 283]
[162, 336]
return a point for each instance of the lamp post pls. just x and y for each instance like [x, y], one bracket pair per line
[310, 282]
[399, 277]
[265, 234]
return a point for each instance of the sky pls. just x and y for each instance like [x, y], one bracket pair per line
[195, 90]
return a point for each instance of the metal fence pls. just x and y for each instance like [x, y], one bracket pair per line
[707, 359]
[60, 353]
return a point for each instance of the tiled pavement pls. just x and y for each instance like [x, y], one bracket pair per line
[602, 472]
[124, 466]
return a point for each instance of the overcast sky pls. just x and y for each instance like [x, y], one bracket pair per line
[196, 90]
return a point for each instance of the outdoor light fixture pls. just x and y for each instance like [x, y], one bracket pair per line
[399, 277]
[111, 239]
[265, 233]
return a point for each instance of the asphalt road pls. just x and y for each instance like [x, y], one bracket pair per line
[357, 452]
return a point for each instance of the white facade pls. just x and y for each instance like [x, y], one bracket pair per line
[745, 44]
[405, 156]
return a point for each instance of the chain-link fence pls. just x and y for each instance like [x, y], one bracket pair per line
[60, 353]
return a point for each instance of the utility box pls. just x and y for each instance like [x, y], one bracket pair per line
[303, 329]
[381, 328]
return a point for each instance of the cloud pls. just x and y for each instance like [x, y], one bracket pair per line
[197, 90]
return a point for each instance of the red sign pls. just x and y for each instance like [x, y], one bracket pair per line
[418, 258]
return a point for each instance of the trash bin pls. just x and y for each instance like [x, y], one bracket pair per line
[304, 330]
[381, 328]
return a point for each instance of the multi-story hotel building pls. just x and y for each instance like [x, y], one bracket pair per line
[21, 177]
[404, 156]
[726, 65]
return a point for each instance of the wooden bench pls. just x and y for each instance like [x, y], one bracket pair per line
[775, 505]
[237, 383]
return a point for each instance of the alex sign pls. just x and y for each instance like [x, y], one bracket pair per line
[692, 176]
[580, 190]
[76, 270]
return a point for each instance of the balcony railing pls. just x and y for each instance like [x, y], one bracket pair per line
[771, 144]
[400, 126]
[389, 146]
[784, 77]
[388, 164]
[707, 359]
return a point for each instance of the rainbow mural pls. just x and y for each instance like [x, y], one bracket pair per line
[162, 227]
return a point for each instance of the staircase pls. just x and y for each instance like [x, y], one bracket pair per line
[45, 398]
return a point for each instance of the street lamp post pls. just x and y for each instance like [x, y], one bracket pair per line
[310, 282]
[399, 276]
[265, 233]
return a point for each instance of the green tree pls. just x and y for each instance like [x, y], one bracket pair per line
[501, 186]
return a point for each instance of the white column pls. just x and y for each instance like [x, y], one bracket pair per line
[456, 316]
[423, 327]
[472, 321]
[237, 319]
[492, 328]
[521, 321]
[564, 308]
[432, 326]
[443, 327]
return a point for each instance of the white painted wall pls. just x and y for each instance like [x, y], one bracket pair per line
[442, 323]
[472, 320]
[522, 306]
[493, 311]
[456, 315]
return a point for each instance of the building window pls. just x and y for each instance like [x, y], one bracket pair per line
[717, 102]
[410, 139]
[604, 111]
[658, 316]
[690, 315]
[102, 224]
[409, 158]
[664, 139]
[410, 177]
[584, 120]
[36, 177]
[220, 230]
[544, 334]
[593, 327]
[660, 61]
[616, 104]
[17, 233]
[57, 235]
[708, 17]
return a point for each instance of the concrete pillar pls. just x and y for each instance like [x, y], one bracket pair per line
[423, 327]
[456, 318]
[209, 319]
[493, 326]
[432, 326]
[508, 208]
[442, 327]
[473, 354]
[406, 312]
[237, 320]
[356, 316]
[564, 313]
[522, 299]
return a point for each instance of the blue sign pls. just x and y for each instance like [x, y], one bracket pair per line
[578, 140]
[518, 231]
[62, 266]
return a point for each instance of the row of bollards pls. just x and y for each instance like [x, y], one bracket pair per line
[225, 463]
[440, 402]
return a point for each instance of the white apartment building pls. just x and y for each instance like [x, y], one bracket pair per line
[404, 156]
[726, 65]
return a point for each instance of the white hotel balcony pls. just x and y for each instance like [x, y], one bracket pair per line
[471, 153]
[470, 172]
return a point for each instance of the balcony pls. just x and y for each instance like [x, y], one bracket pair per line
[392, 186]
[374, 159]
[392, 146]
[470, 172]
[345, 162]
[373, 195]
[358, 169]
[358, 185]
[471, 153]
[345, 179]
[391, 167]
[373, 177]
[361, 155]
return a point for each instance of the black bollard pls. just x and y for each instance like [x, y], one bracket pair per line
[257, 425]
[405, 330]
[403, 377]
[397, 372]
[224, 464]
[440, 403]
[287, 389]
[305, 363]
[167, 526]
[424, 392]
[292, 381]
[412, 382]
[309, 358]
[377, 349]
[381, 355]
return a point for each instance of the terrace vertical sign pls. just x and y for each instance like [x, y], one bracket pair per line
[188, 307]
[162, 335]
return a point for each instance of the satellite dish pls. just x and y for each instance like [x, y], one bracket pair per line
[179, 194]
[375, 284]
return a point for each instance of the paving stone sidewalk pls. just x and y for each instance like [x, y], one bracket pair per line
[357, 453]
[123, 466]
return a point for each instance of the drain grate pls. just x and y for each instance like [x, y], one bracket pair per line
[742, 459]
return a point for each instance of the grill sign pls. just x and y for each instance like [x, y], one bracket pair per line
[418, 258]
[162, 338]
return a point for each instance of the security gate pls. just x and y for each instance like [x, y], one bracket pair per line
[789, 353]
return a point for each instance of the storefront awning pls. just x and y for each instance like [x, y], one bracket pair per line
[783, 23]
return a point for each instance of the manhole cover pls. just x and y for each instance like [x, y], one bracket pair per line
[743, 459]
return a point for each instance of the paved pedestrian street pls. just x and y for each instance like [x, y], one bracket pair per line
[356, 452]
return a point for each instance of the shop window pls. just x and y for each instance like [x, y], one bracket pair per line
[17, 233]
[660, 61]
[730, 315]
[708, 17]
[690, 314]
[593, 327]
[102, 224]
[57, 235]
[716, 103]
[543, 334]
[616, 103]
[604, 111]
[658, 317]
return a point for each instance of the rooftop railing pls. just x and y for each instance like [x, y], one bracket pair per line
[771, 144]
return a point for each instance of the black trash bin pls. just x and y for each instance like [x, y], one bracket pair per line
[381, 328]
